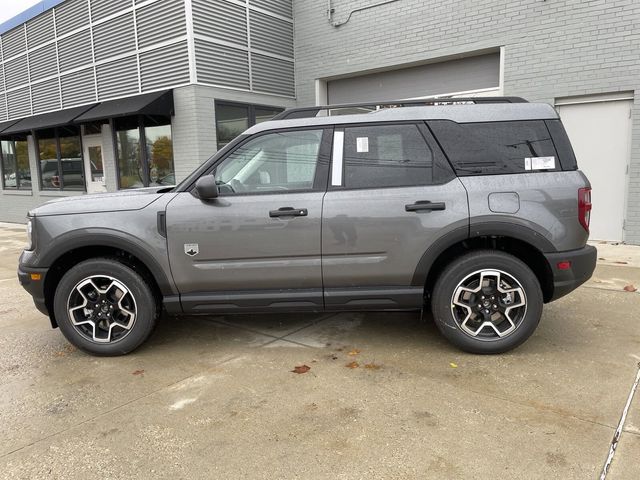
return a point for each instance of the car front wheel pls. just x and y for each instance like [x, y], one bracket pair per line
[487, 302]
[105, 307]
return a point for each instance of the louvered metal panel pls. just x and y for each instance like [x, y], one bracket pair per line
[272, 75]
[40, 29]
[3, 107]
[281, 7]
[165, 67]
[117, 78]
[70, 15]
[45, 96]
[2, 89]
[42, 62]
[13, 42]
[160, 21]
[19, 103]
[114, 37]
[78, 88]
[222, 65]
[15, 72]
[103, 8]
[75, 51]
[220, 19]
[271, 34]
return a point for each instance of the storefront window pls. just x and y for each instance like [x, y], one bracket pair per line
[234, 118]
[152, 165]
[60, 159]
[160, 155]
[129, 162]
[16, 173]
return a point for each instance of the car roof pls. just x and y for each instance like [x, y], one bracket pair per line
[494, 112]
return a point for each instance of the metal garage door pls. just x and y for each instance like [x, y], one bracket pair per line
[600, 132]
[461, 75]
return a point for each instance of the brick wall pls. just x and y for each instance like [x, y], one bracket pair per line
[553, 49]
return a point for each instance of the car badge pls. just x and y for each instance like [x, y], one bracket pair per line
[191, 249]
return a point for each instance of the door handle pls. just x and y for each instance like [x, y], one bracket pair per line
[288, 212]
[425, 205]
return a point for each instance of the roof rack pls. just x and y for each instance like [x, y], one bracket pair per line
[351, 108]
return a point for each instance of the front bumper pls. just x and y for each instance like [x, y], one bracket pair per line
[582, 265]
[33, 286]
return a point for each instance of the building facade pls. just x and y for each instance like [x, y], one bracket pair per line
[199, 71]
[102, 95]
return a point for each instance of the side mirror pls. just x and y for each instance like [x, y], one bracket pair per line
[206, 188]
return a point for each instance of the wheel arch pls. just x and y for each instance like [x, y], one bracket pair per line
[526, 246]
[71, 250]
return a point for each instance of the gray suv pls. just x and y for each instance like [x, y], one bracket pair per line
[474, 207]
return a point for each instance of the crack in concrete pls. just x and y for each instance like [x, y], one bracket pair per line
[618, 433]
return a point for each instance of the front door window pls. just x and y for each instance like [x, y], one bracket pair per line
[275, 162]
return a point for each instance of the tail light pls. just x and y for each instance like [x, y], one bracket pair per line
[584, 207]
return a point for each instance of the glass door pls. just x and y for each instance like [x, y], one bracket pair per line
[93, 165]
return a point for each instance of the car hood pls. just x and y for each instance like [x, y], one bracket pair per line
[100, 202]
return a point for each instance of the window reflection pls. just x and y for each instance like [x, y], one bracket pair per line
[160, 155]
[152, 165]
[60, 159]
[234, 118]
[16, 173]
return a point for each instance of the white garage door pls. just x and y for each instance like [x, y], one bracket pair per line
[480, 72]
[600, 132]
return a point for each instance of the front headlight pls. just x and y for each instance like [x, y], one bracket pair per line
[29, 234]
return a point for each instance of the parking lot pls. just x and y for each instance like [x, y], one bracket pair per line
[385, 395]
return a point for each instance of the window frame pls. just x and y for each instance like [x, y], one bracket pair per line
[251, 117]
[440, 160]
[36, 138]
[13, 140]
[320, 180]
[142, 139]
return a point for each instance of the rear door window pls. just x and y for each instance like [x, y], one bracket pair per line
[497, 147]
[386, 156]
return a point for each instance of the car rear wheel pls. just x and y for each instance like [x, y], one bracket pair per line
[487, 302]
[105, 307]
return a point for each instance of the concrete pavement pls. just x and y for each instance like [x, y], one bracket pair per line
[214, 397]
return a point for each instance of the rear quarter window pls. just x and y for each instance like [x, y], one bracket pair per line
[493, 148]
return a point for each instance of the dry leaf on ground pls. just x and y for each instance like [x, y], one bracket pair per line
[372, 366]
[301, 369]
[630, 288]
[453, 365]
[138, 372]
[352, 365]
[354, 352]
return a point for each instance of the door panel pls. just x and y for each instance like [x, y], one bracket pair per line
[240, 246]
[370, 239]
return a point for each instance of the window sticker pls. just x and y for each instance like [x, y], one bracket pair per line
[362, 144]
[540, 163]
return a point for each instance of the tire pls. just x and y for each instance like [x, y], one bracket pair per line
[104, 307]
[489, 320]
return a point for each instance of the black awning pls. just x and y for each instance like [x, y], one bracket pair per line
[47, 120]
[157, 103]
[5, 125]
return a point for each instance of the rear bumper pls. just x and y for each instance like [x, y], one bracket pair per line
[34, 287]
[583, 263]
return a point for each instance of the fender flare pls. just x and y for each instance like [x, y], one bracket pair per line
[510, 229]
[102, 237]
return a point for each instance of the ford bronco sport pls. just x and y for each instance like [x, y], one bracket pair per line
[473, 207]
